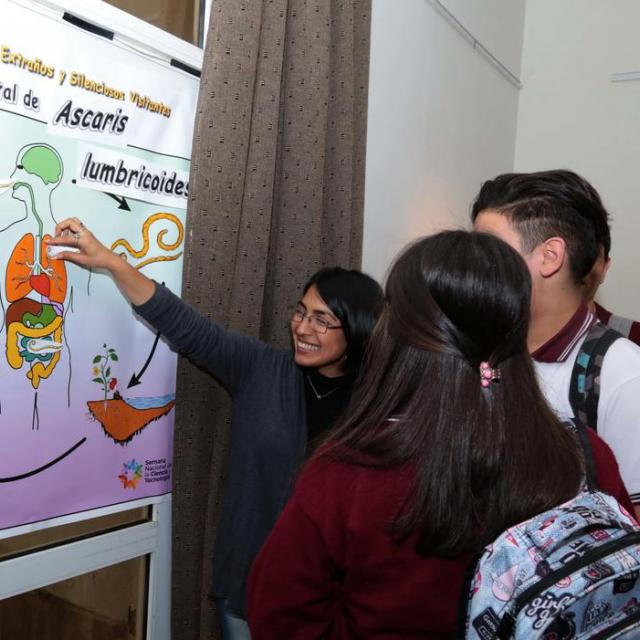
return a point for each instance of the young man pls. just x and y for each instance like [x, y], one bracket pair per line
[554, 220]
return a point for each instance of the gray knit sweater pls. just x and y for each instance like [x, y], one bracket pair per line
[268, 432]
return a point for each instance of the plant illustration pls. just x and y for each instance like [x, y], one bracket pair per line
[102, 370]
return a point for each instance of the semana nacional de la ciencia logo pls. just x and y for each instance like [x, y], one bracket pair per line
[131, 474]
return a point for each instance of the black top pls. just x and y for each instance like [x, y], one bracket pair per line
[268, 429]
[325, 399]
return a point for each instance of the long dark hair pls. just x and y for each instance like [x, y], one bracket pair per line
[482, 459]
[356, 299]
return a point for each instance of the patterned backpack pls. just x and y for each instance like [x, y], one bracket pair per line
[570, 572]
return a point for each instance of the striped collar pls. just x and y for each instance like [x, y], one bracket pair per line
[558, 348]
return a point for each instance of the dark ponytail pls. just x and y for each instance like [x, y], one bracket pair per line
[482, 459]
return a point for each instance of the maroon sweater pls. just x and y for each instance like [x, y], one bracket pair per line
[330, 570]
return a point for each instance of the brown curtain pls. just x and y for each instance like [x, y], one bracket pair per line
[277, 181]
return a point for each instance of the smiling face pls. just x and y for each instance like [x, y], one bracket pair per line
[322, 351]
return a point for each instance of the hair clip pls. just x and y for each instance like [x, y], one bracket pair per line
[488, 374]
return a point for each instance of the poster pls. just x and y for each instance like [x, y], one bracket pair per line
[92, 129]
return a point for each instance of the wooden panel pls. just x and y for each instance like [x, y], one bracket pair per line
[68, 532]
[175, 16]
[43, 616]
[101, 605]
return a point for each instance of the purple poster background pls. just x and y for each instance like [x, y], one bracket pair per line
[87, 391]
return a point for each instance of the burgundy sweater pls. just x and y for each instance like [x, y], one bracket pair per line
[330, 570]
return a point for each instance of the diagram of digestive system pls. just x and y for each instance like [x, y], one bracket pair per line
[35, 287]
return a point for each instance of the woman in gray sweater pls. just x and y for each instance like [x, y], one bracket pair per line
[283, 402]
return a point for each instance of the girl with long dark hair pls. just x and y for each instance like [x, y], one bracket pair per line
[448, 441]
[283, 402]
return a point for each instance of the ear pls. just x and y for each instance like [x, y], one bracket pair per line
[553, 255]
[607, 264]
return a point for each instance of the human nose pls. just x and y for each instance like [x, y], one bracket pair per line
[303, 327]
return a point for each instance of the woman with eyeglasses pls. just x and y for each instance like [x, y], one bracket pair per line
[283, 402]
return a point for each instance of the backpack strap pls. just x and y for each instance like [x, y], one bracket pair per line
[463, 601]
[590, 473]
[591, 484]
[621, 325]
[584, 389]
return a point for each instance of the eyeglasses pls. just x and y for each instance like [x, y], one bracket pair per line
[316, 323]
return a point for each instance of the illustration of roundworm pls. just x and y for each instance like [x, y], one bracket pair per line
[165, 246]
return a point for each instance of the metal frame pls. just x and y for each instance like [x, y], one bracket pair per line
[69, 560]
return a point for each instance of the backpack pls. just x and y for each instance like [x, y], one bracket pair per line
[570, 572]
[584, 389]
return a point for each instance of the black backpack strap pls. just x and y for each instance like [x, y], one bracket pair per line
[584, 389]
[463, 600]
[590, 473]
[622, 325]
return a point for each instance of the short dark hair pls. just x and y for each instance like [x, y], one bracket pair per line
[356, 299]
[455, 300]
[544, 204]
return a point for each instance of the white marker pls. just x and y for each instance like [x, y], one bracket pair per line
[6, 184]
[54, 249]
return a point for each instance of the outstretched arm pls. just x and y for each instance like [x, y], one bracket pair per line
[227, 355]
[92, 254]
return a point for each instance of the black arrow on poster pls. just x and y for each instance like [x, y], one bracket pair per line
[121, 200]
[135, 379]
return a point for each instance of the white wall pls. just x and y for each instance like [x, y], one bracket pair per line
[441, 118]
[571, 115]
[497, 24]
